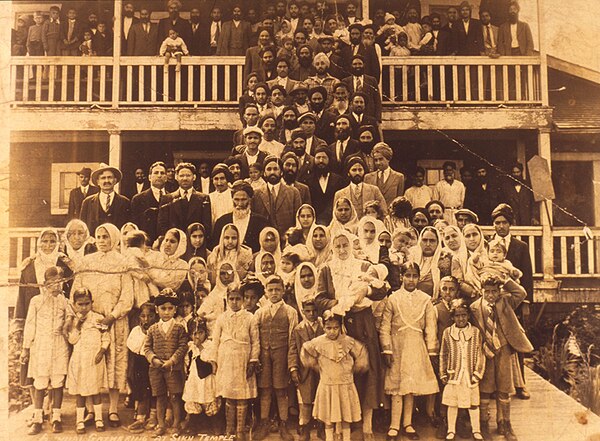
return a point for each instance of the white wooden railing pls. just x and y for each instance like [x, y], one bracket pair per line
[572, 255]
[462, 80]
[143, 81]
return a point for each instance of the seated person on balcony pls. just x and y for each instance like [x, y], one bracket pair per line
[235, 35]
[173, 46]
[305, 67]
[514, 36]
[174, 21]
[450, 192]
[51, 33]
[360, 81]
[490, 33]
[143, 36]
[102, 41]
[71, 34]
[35, 46]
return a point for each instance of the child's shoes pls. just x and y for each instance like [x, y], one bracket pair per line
[100, 426]
[80, 428]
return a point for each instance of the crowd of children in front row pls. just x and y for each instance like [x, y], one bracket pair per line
[258, 349]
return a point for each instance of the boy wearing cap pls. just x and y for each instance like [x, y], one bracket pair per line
[252, 139]
[276, 321]
[78, 194]
[165, 347]
[107, 205]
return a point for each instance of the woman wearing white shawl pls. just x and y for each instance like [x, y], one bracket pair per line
[319, 245]
[127, 227]
[230, 249]
[369, 229]
[344, 217]
[270, 242]
[350, 286]
[214, 304]
[77, 242]
[476, 249]
[427, 254]
[33, 269]
[105, 274]
[305, 219]
[197, 276]
[167, 269]
[454, 243]
[305, 284]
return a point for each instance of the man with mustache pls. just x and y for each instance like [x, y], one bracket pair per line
[305, 67]
[322, 78]
[318, 97]
[128, 21]
[344, 146]
[290, 164]
[143, 36]
[174, 21]
[356, 47]
[308, 123]
[107, 205]
[323, 185]
[361, 81]
[357, 191]
[235, 36]
[514, 36]
[306, 162]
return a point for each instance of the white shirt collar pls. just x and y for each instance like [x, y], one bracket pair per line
[166, 326]
[182, 192]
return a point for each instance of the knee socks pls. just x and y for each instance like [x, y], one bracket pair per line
[305, 414]
[452, 414]
[367, 416]
[230, 416]
[328, 433]
[98, 412]
[396, 412]
[503, 409]
[242, 410]
[265, 403]
[474, 416]
[408, 410]
[79, 412]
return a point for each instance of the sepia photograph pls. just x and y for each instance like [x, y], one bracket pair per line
[336, 220]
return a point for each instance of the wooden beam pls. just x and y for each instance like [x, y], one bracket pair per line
[116, 73]
[544, 150]
[115, 150]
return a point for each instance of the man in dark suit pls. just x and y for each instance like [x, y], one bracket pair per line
[251, 154]
[249, 224]
[518, 255]
[174, 21]
[140, 183]
[356, 47]
[276, 201]
[235, 36]
[78, 194]
[290, 165]
[359, 81]
[308, 122]
[468, 33]
[516, 194]
[481, 196]
[324, 122]
[198, 34]
[357, 115]
[143, 36]
[344, 146]
[144, 206]
[185, 205]
[107, 205]
[524, 43]
[126, 25]
[323, 184]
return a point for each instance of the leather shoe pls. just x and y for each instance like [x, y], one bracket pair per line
[57, 426]
[522, 393]
[284, 433]
[35, 429]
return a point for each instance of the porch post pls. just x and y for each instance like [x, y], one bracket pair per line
[596, 186]
[116, 72]
[114, 151]
[546, 211]
[365, 9]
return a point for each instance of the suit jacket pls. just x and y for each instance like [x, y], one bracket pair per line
[367, 120]
[471, 43]
[224, 45]
[288, 86]
[369, 193]
[518, 254]
[309, 378]
[494, 35]
[102, 45]
[253, 62]
[245, 166]
[316, 142]
[76, 198]
[93, 214]
[521, 202]
[173, 212]
[305, 170]
[304, 192]
[182, 26]
[144, 213]
[198, 40]
[481, 201]
[77, 34]
[524, 37]
[131, 192]
[392, 188]
[142, 43]
[255, 226]
[372, 67]
[283, 214]
[324, 127]
[125, 38]
[446, 41]
[371, 89]
[322, 200]
[505, 317]
[352, 148]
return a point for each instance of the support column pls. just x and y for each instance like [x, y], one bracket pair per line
[522, 155]
[115, 150]
[596, 185]
[365, 9]
[116, 73]
[544, 151]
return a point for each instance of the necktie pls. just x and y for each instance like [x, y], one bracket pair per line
[380, 178]
[217, 32]
[355, 49]
[340, 151]
[185, 196]
[357, 197]
[84, 191]
[107, 203]
[358, 85]
[272, 198]
[488, 36]
[70, 31]
[491, 342]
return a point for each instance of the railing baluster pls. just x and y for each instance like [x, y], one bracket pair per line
[141, 83]
[215, 83]
[26, 71]
[240, 86]
[38, 83]
[178, 85]
[530, 96]
[455, 82]
[64, 82]
[129, 79]
[429, 82]
[51, 82]
[577, 247]
[480, 88]
[467, 82]
[404, 83]
[190, 88]
[505, 89]
[202, 83]
[493, 82]
[518, 83]
[392, 71]
[590, 257]
[102, 80]
[442, 82]
[32, 246]
[77, 83]
[20, 251]
[418, 83]
[90, 83]
[227, 82]
[153, 87]
[532, 253]
[166, 84]
[13, 82]
[563, 255]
